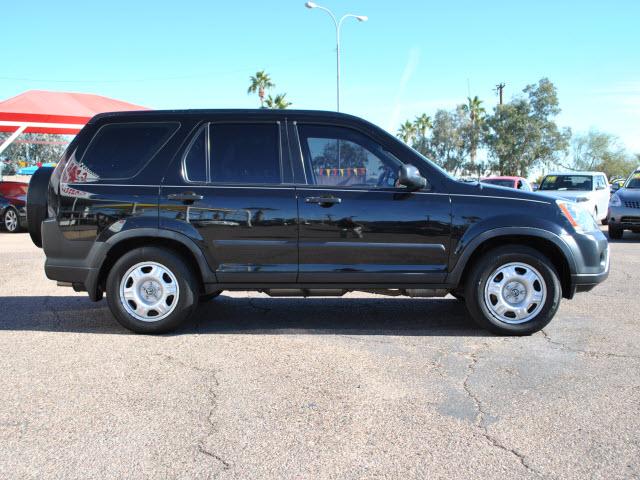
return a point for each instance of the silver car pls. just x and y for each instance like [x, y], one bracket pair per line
[624, 208]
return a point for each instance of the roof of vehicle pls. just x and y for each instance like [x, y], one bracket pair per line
[254, 112]
[574, 173]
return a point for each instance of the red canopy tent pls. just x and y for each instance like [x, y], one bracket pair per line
[40, 111]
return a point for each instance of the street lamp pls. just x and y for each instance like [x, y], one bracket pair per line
[338, 24]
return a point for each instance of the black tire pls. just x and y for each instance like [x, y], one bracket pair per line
[10, 216]
[37, 203]
[615, 231]
[207, 297]
[174, 263]
[605, 221]
[483, 269]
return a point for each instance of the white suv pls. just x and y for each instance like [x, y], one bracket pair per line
[589, 189]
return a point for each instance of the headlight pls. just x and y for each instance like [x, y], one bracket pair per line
[615, 201]
[581, 220]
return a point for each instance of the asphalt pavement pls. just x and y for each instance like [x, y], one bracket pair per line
[358, 387]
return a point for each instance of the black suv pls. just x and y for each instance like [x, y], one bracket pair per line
[163, 209]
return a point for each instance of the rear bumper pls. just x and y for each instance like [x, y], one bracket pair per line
[75, 262]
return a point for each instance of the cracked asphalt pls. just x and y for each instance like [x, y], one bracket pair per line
[360, 387]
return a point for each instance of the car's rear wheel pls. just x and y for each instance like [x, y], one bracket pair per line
[615, 231]
[151, 290]
[11, 220]
[513, 290]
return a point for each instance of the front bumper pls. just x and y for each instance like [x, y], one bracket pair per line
[592, 261]
[625, 217]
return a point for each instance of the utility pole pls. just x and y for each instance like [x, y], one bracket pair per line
[500, 89]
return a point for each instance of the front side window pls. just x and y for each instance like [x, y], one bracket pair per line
[342, 157]
[244, 153]
[121, 150]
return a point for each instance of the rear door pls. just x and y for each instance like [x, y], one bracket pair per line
[230, 191]
[356, 226]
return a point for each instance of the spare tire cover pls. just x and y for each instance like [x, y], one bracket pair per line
[37, 203]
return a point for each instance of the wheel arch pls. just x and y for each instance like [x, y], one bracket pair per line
[545, 242]
[124, 242]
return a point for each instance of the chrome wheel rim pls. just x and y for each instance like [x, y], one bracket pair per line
[11, 220]
[149, 291]
[515, 293]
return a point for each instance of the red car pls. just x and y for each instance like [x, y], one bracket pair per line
[13, 205]
[518, 183]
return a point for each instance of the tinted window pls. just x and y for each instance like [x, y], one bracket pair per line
[244, 153]
[120, 150]
[567, 182]
[195, 161]
[343, 157]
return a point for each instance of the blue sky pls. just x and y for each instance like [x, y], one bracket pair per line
[410, 57]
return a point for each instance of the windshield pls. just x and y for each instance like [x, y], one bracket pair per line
[633, 181]
[499, 181]
[567, 182]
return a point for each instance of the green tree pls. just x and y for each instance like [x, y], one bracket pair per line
[601, 152]
[523, 134]
[474, 130]
[260, 82]
[278, 102]
[446, 145]
[422, 124]
[407, 132]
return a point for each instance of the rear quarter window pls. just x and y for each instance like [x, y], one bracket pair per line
[121, 150]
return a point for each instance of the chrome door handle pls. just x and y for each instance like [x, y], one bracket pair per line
[323, 201]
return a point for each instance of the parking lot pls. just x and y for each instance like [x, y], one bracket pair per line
[359, 387]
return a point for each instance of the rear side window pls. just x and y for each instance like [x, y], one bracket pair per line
[121, 150]
[244, 153]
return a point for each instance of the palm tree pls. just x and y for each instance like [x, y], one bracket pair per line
[277, 102]
[406, 132]
[422, 124]
[260, 82]
[476, 112]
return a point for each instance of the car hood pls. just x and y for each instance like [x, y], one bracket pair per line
[570, 195]
[628, 193]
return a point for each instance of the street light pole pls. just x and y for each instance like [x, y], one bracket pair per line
[338, 25]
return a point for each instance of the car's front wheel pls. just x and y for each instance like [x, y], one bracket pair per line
[11, 220]
[151, 290]
[513, 290]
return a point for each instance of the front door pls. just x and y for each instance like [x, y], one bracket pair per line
[356, 225]
[229, 191]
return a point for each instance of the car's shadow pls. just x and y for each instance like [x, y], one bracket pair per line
[257, 315]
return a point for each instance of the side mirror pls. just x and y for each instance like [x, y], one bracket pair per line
[615, 187]
[410, 177]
